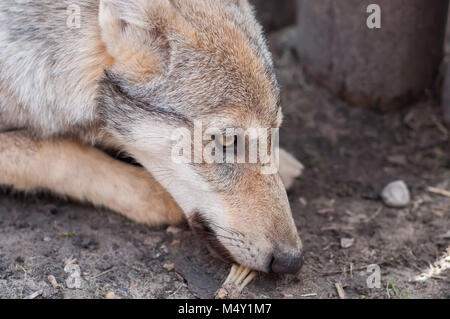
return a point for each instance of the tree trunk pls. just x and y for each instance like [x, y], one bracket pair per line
[446, 86]
[384, 68]
[446, 94]
[275, 14]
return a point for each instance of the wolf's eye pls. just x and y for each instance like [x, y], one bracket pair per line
[226, 141]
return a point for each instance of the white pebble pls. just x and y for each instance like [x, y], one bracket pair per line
[347, 242]
[396, 195]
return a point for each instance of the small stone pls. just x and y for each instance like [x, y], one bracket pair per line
[110, 295]
[164, 249]
[169, 267]
[446, 235]
[347, 242]
[396, 195]
[303, 201]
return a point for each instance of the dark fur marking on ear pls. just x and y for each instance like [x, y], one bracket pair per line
[113, 97]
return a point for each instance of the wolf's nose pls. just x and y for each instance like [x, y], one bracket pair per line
[287, 262]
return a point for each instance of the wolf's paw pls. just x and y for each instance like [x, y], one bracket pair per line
[290, 168]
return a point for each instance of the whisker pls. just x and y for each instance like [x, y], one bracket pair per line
[233, 232]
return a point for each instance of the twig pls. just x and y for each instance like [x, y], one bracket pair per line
[176, 291]
[70, 261]
[439, 191]
[439, 125]
[102, 273]
[387, 290]
[379, 210]
[340, 291]
[24, 280]
[325, 211]
[309, 295]
[35, 294]
[53, 281]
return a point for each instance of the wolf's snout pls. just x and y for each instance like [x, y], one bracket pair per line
[287, 261]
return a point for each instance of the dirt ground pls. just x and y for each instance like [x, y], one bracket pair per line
[349, 154]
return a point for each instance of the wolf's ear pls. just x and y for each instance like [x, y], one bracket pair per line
[135, 34]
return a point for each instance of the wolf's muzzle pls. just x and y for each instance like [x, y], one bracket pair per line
[287, 262]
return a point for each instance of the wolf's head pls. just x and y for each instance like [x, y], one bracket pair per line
[178, 63]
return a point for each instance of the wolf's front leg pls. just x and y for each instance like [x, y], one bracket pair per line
[290, 168]
[84, 173]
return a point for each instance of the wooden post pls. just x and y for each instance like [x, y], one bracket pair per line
[446, 85]
[384, 68]
[446, 94]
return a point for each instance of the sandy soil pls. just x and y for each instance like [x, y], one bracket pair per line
[349, 154]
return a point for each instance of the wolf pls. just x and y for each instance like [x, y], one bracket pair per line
[78, 77]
